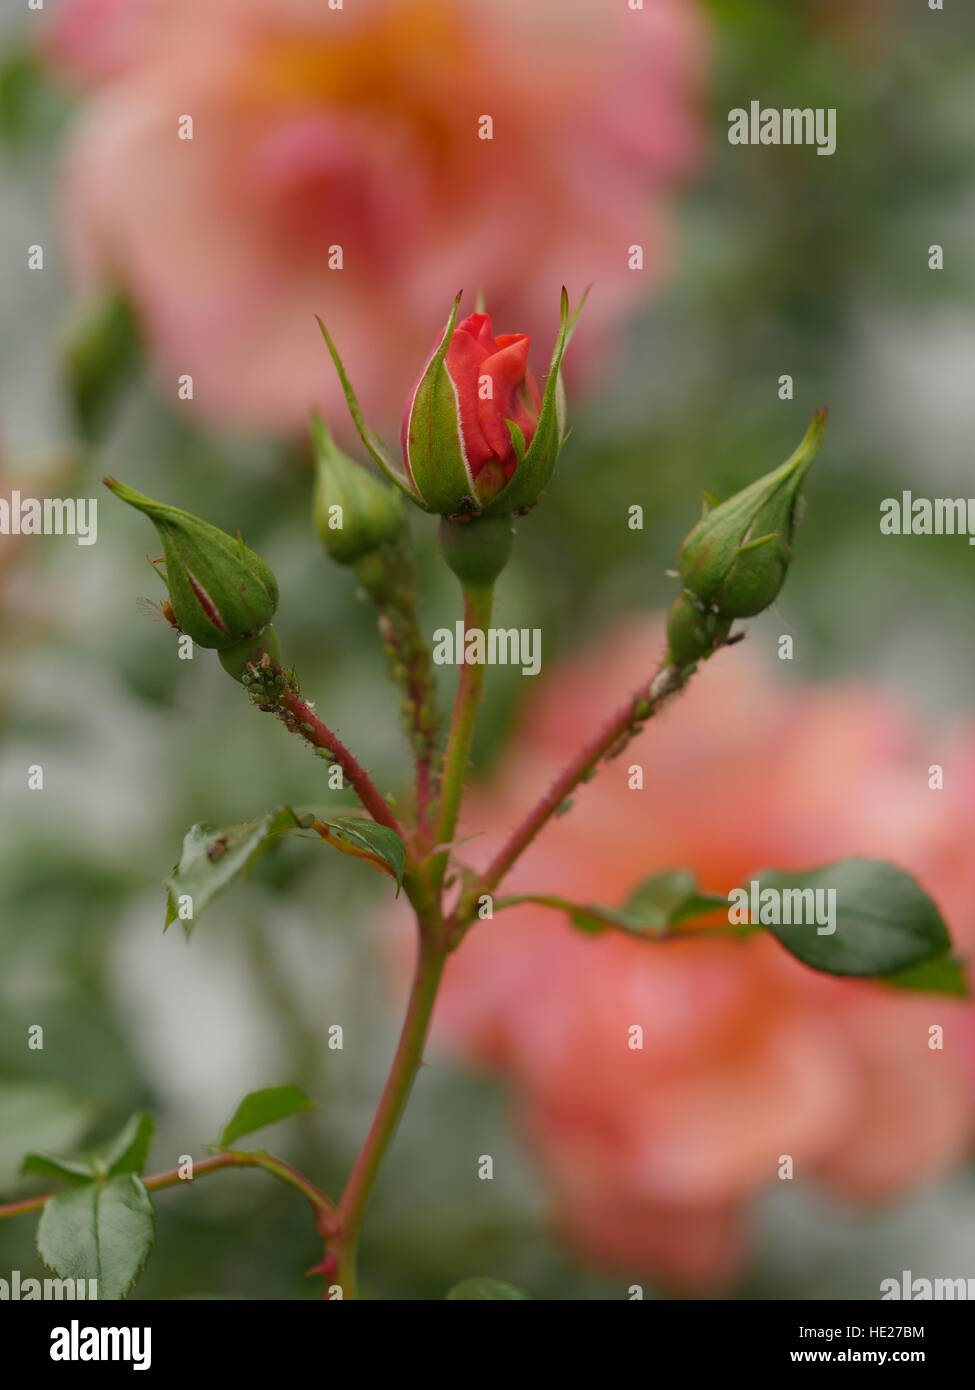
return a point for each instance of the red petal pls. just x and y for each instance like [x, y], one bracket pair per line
[508, 370]
[465, 363]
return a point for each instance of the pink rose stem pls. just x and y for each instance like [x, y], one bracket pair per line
[478, 601]
[424, 893]
[431, 959]
[301, 719]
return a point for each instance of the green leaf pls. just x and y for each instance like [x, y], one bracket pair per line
[260, 1108]
[126, 1153]
[102, 1231]
[668, 899]
[71, 1170]
[941, 975]
[213, 855]
[884, 921]
[654, 909]
[376, 839]
[886, 927]
[482, 1287]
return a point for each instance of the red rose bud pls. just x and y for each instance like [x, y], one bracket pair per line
[477, 434]
[471, 416]
[221, 593]
[734, 562]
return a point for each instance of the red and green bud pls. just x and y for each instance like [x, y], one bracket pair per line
[220, 591]
[477, 434]
[734, 562]
[471, 417]
[354, 512]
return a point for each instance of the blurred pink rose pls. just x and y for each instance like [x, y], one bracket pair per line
[358, 127]
[651, 1156]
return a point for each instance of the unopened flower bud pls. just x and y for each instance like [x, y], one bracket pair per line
[477, 434]
[735, 559]
[220, 591]
[354, 512]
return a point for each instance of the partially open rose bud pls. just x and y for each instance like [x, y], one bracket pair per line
[477, 435]
[735, 559]
[220, 591]
[470, 417]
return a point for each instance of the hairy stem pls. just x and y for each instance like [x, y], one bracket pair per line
[402, 1073]
[324, 1209]
[611, 739]
[298, 716]
[478, 600]
[387, 576]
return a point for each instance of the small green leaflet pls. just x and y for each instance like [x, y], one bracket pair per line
[213, 855]
[883, 925]
[376, 839]
[653, 909]
[260, 1108]
[102, 1231]
[480, 1288]
[126, 1153]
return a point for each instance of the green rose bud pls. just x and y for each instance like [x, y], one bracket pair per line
[220, 591]
[354, 512]
[735, 559]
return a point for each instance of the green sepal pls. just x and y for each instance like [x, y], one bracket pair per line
[369, 437]
[434, 439]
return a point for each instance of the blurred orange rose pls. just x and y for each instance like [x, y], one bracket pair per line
[651, 1156]
[358, 127]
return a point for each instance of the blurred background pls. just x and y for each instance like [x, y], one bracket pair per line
[209, 256]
